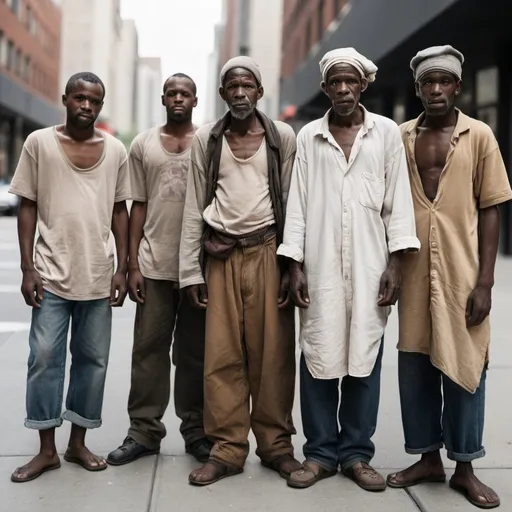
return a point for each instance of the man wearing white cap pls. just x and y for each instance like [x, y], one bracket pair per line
[458, 179]
[349, 219]
[238, 183]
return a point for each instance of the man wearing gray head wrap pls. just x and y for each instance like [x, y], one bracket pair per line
[349, 220]
[458, 179]
[239, 176]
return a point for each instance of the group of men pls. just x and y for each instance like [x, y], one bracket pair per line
[234, 224]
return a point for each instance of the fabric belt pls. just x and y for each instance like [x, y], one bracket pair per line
[254, 239]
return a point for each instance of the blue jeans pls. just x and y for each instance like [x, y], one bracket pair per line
[428, 425]
[91, 323]
[357, 412]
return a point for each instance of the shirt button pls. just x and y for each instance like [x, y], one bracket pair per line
[434, 245]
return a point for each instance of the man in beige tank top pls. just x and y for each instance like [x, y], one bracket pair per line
[237, 188]
[73, 182]
[158, 170]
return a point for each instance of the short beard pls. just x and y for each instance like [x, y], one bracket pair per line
[240, 116]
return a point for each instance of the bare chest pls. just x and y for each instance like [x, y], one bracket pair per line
[431, 153]
[82, 155]
[244, 147]
[173, 144]
[345, 137]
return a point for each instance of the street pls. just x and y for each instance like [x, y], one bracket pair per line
[160, 483]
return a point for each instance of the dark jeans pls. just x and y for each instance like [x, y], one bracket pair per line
[327, 444]
[166, 314]
[459, 425]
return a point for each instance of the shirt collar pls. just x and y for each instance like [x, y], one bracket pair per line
[462, 126]
[323, 129]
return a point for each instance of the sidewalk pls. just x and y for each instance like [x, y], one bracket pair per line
[158, 484]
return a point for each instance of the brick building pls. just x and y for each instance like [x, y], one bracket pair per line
[29, 73]
[390, 33]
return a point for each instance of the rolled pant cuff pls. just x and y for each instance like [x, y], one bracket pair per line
[237, 464]
[420, 451]
[466, 457]
[43, 425]
[328, 466]
[352, 461]
[78, 420]
[144, 440]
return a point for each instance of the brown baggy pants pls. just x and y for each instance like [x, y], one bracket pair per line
[249, 354]
[166, 311]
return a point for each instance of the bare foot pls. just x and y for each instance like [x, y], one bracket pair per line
[36, 467]
[212, 472]
[428, 469]
[82, 456]
[477, 493]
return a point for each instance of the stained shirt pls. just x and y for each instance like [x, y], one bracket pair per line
[437, 282]
[344, 218]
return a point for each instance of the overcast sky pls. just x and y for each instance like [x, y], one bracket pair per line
[180, 32]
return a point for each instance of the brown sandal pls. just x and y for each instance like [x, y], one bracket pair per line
[310, 473]
[33, 476]
[366, 477]
[221, 471]
[83, 464]
[277, 465]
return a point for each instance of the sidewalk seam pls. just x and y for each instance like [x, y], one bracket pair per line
[152, 486]
[413, 499]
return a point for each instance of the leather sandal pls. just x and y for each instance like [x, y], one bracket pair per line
[277, 465]
[310, 473]
[220, 471]
[366, 477]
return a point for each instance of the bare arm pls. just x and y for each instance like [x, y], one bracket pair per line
[31, 288]
[489, 232]
[136, 284]
[120, 223]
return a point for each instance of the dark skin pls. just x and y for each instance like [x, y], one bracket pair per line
[245, 134]
[179, 100]
[343, 86]
[438, 91]
[83, 146]
[241, 92]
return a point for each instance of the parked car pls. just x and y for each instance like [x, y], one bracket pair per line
[8, 202]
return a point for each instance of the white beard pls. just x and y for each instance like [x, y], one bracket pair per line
[242, 115]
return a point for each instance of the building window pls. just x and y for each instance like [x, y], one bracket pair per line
[31, 26]
[3, 50]
[18, 63]
[10, 55]
[308, 38]
[320, 20]
[26, 69]
[15, 6]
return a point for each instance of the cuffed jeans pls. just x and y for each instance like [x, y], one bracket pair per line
[357, 412]
[91, 323]
[428, 426]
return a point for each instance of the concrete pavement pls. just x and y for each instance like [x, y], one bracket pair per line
[158, 484]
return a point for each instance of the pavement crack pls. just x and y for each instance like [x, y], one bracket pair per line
[152, 486]
[414, 500]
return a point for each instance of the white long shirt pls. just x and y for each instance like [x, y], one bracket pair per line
[343, 220]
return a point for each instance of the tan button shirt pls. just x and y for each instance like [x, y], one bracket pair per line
[439, 279]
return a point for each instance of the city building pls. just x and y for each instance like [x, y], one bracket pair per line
[150, 111]
[215, 107]
[125, 110]
[390, 33]
[30, 32]
[91, 39]
[254, 28]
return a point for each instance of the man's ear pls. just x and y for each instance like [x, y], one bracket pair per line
[323, 86]
[64, 99]
[163, 100]
[417, 89]
[364, 84]
[222, 93]
[261, 92]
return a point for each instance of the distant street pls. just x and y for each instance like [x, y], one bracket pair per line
[160, 484]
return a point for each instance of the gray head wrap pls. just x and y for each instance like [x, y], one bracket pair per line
[241, 62]
[437, 58]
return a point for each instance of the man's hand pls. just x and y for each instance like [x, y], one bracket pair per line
[118, 290]
[299, 286]
[283, 300]
[198, 295]
[390, 282]
[136, 286]
[478, 306]
[32, 288]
